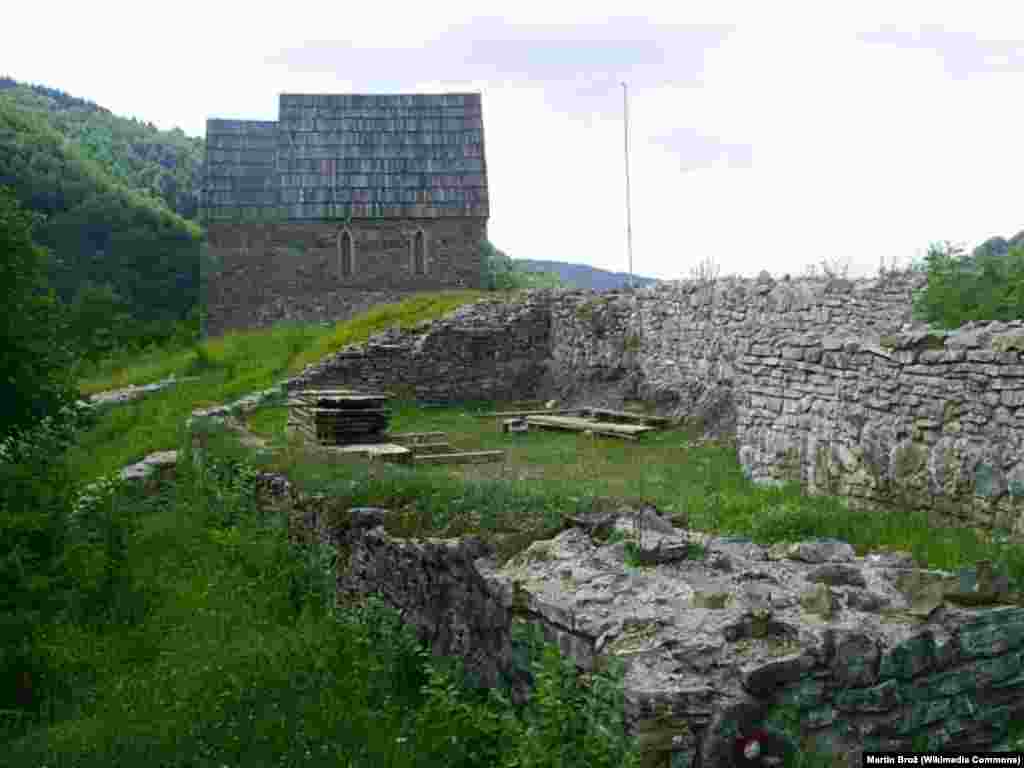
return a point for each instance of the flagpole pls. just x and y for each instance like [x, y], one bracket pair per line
[629, 224]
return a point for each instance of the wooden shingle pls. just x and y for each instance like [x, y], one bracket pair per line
[395, 155]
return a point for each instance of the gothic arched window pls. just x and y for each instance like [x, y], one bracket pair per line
[419, 253]
[345, 255]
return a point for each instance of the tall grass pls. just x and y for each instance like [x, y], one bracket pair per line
[234, 654]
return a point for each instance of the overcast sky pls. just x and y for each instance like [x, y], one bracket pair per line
[762, 139]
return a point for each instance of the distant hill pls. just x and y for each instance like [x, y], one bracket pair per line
[582, 275]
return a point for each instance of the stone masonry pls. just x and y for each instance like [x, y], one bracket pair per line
[488, 350]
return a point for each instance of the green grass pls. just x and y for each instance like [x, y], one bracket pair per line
[284, 349]
[225, 649]
[547, 474]
[227, 368]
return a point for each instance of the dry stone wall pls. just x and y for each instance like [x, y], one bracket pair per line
[677, 343]
[925, 420]
[487, 350]
[826, 382]
[431, 582]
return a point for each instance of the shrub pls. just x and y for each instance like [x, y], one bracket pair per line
[963, 288]
[61, 555]
[35, 360]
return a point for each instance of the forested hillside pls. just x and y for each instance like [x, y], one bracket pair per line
[98, 230]
[164, 164]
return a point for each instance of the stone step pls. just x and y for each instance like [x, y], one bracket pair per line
[462, 457]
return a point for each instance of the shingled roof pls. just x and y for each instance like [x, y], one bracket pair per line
[403, 156]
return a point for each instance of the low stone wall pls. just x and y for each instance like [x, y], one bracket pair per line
[131, 392]
[431, 582]
[486, 350]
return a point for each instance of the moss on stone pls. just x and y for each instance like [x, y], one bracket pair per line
[1008, 342]
[908, 460]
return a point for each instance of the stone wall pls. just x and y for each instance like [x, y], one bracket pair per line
[486, 350]
[431, 582]
[677, 343]
[803, 645]
[826, 382]
[263, 273]
[924, 420]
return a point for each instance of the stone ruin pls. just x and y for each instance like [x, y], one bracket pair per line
[823, 382]
[721, 638]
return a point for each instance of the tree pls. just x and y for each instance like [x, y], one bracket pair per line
[985, 286]
[99, 320]
[35, 360]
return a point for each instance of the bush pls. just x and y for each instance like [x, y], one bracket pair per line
[35, 358]
[61, 555]
[961, 288]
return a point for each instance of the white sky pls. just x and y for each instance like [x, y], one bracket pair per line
[764, 135]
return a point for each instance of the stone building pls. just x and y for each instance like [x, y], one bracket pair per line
[345, 201]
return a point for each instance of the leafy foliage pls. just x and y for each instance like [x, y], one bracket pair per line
[164, 165]
[97, 229]
[961, 288]
[34, 357]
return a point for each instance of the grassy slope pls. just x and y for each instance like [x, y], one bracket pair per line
[228, 367]
[547, 474]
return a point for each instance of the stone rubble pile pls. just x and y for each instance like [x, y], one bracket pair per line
[338, 417]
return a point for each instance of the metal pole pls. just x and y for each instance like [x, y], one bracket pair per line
[629, 224]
